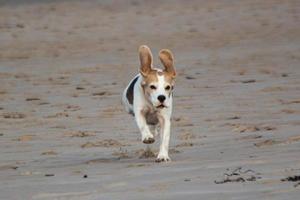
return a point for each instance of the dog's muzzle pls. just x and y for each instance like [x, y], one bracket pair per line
[161, 106]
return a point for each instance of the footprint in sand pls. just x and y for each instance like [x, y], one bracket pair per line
[103, 143]
[79, 134]
[13, 115]
[271, 142]
[241, 128]
[25, 138]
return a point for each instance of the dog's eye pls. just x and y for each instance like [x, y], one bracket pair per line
[152, 87]
[168, 87]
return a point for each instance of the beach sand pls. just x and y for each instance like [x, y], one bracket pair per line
[65, 135]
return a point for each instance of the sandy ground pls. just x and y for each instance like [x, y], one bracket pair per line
[64, 133]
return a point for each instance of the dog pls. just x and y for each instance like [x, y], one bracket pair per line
[149, 97]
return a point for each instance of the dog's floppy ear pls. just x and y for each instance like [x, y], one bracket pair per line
[146, 60]
[167, 59]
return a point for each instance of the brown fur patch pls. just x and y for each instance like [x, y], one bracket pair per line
[169, 78]
[167, 59]
[160, 73]
[150, 115]
[145, 59]
[151, 77]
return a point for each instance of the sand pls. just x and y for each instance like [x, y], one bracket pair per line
[65, 135]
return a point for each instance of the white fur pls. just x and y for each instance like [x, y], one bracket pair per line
[142, 105]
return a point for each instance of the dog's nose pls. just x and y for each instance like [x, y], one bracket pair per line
[161, 98]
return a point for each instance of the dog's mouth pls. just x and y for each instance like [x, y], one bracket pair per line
[161, 106]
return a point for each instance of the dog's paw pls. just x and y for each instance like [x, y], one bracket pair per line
[148, 140]
[161, 158]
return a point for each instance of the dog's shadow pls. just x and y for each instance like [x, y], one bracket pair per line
[146, 155]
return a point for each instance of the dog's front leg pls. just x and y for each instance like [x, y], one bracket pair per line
[165, 124]
[140, 119]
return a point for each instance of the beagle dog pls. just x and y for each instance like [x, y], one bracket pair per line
[148, 97]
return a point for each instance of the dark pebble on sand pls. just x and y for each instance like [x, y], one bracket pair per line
[234, 117]
[249, 81]
[49, 175]
[99, 93]
[33, 99]
[20, 26]
[190, 77]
